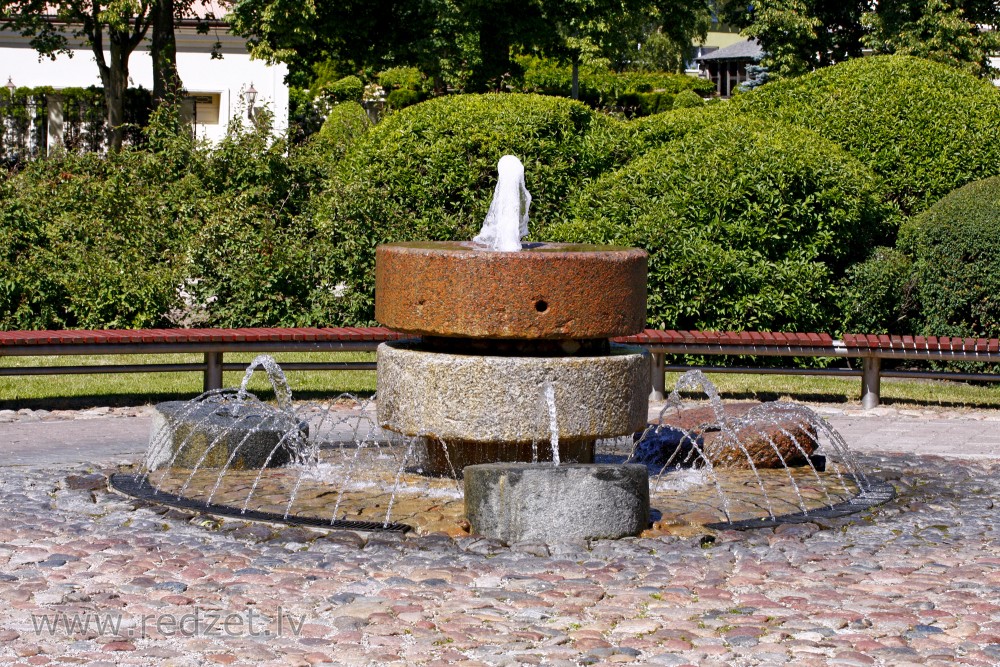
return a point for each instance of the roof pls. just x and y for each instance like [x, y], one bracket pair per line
[748, 49]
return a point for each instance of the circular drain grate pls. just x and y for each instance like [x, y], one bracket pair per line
[138, 486]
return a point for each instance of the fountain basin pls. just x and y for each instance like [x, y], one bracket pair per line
[527, 502]
[207, 435]
[494, 399]
[544, 291]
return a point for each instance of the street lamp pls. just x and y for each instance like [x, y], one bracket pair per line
[251, 96]
[11, 87]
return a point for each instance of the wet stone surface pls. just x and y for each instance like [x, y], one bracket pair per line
[916, 581]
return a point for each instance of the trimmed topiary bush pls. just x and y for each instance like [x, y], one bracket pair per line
[955, 247]
[428, 172]
[403, 97]
[748, 224]
[348, 89]
[926, 128]
[687, 99]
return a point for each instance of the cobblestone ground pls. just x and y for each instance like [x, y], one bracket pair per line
[86, 577]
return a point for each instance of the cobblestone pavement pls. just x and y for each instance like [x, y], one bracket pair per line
[87, 577]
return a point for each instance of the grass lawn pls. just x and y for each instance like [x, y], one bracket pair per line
[118, 389]
[81, 391]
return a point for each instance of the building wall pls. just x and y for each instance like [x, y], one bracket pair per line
[223, 81]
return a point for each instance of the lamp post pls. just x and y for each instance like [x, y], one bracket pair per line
[11, 87]
[251, 97]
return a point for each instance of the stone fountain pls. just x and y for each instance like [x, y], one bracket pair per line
[514, 362]
[512, 384]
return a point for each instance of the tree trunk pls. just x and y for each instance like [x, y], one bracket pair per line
[163, 49]
[115, 80]
[575, 89]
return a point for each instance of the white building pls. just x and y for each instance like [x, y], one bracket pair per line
[215, 87]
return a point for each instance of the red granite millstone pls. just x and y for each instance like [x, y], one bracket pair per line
[547, 290]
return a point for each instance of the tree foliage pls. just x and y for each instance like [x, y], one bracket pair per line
[458, 43]
[801, 35]
[936, 30]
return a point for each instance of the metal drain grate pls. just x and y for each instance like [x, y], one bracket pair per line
[138, 486]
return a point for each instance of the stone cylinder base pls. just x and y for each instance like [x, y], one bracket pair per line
[529, 502]
[450, 459]
[496, 399]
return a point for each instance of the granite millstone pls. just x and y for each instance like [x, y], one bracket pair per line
[536, 502]
[545, 291]
[492, 399]
[206, 436]
[783, 440]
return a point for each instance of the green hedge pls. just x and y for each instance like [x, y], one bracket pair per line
[926, 128]
[878, 295]
[428, 172]
[955, 248]
[748, 224]
[91, 242]
[601, 87]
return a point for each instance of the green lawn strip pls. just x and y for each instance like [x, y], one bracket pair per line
[897, 392]
[119, 389]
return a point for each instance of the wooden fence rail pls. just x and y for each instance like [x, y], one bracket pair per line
[870, 350]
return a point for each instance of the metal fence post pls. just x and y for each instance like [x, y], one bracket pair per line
[213, 370]
[657, 369]
[871, 379]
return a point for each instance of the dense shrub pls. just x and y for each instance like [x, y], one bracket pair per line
[403, 97]
[348, 89]
[428, 172]
[925, 128]
[955, 247]
[601, 87]
[408, 78]
[748, 225]
[878, 295]
[687, 99]
[90, 241]
[346, 123]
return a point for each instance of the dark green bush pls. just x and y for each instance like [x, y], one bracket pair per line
[346, 123]
[599, 86]
[687, 99]
[955, 247]
[408, 78]
[428, 172]
[748, 225]
[878, 295]
[403, 97]
[926, 128]
[348, 89]
[653, 103]
[93, 242]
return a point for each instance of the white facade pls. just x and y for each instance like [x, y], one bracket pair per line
[217, 86]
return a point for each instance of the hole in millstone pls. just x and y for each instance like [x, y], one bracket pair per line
[541, 306]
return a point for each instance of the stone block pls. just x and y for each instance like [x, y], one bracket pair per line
[538, 502]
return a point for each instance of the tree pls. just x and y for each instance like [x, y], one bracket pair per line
[936, 30]
[442, 37]
[801, 35]
[118, 24]
[163, 50]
